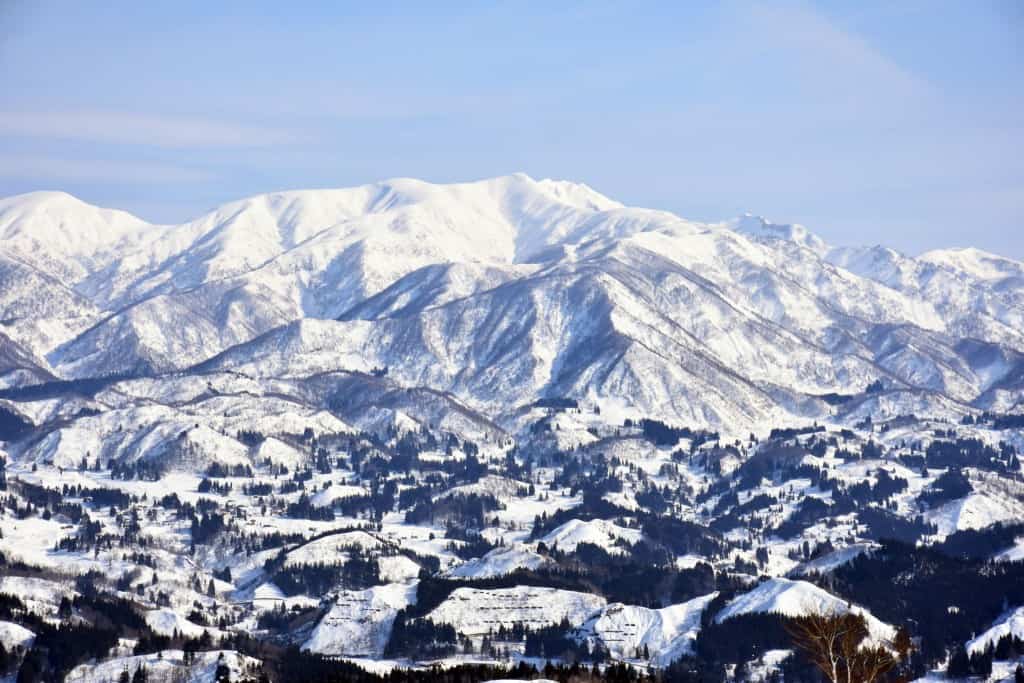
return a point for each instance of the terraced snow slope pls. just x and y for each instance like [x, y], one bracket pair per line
[359, 622]
[475, 612]
[667, 633]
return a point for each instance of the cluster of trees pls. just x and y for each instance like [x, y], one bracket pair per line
[357, 572]
[58, 647]
[900, 582]
[251, 437]
[963, 665]
[12, 425]
[147, 470]
[207, 485]
[979, 544]
[557, 403]
[950, 485]
[964, 452]
[460, 510]
[295, 666]
[791, 432]
[304, 508]
[882, 524]
[420, 638]
[661, 434]
[997, 420]
[205, 527]
[218, 470]
[558, 642]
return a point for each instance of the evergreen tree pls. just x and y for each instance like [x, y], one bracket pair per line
[959, 664]
[64, 611]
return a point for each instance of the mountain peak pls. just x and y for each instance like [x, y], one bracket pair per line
[760, 228]
[975, 262]
[63, 223]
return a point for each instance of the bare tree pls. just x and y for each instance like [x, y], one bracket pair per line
[836, 644]
[820, 637]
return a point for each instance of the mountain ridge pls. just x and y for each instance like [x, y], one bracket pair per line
[400, 262]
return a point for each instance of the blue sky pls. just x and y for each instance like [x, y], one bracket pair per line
[894, 123]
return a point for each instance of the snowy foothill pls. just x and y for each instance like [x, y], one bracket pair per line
[1009, 624]
[665, 634]
[359, 622]
[799, 599]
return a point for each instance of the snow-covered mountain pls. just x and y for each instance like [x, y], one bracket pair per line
[506, 291]
[513, 421]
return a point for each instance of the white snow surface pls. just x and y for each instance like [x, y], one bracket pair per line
[797, 599]
[1009, 624]
[599, 532]
[167, 622]
[499, 562]
[13, 635]
[359, 623]
[667, 633]
[991, 501]
[474, 612]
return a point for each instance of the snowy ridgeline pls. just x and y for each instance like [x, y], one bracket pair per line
[510, 290]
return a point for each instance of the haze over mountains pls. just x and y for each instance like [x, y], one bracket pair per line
[506, 291]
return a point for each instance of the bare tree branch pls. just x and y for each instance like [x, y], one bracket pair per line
[836, 644]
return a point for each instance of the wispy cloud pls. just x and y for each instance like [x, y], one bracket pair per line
[55, 170]
[830, 60]
[806, 27]
[140, 129]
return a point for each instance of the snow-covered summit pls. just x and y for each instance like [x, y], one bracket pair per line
[975, 263]
[758, 227]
